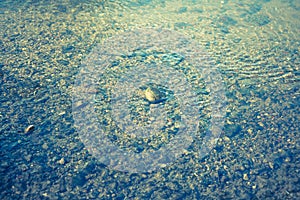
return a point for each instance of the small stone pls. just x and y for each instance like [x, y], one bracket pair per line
[226, 139]
[28, 158]
[45, 195]
[153, 95]
[177, 125]
[245, 177]
[29, 129]
[61, 161]
[45, 146]
[250, 131]
[150, 95]
[163, 165]
[62, 113]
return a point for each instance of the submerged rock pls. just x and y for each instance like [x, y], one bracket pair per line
[154, 95]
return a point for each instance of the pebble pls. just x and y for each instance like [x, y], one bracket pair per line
[61, 161]
[245, 177]
[45, 146]
[29, 129]
[226, 139]
[28, 158]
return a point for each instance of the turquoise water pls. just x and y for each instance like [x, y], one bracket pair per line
[230, 69]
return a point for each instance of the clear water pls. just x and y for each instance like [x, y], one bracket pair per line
[229, 69]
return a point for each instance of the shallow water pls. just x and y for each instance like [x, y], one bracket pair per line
[246, 144]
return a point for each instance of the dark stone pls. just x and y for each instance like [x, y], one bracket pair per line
[228, 21]
[262, 20]
[139, 148]
[90, 167]
[224, 30]
[265, 173]
[232, 130]
[140, 2]
[198, 10]
[61, 8]
[254, 8]
[79, 179]
[182, 10]
[219, 148]
[68, 49]
[120, 197]
[181, 25]
[63, 62]
[236, 40]
[62, 185]
[259, 20]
